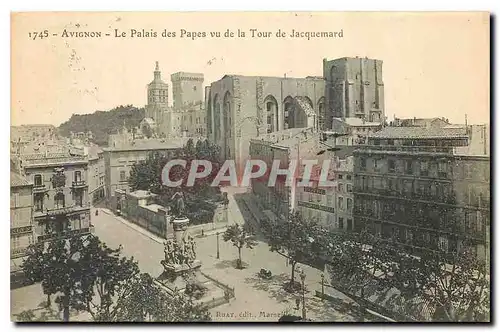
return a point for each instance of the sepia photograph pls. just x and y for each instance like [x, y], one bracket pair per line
[250, 167]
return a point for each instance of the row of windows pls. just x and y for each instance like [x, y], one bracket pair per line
[59, 200]
[328, 200]
[330, 219]
[421, 216]
[38, 178]
[408, 166]
[416, 238]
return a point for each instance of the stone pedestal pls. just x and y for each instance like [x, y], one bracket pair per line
[177, 276]
[180, 226]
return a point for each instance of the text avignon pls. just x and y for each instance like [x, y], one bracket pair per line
[81, 34]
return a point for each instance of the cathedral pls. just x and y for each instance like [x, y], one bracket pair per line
[187, 116]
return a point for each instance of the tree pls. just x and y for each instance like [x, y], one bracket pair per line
[35, 268]
[457, 284]
[104, 272]
[363, 261]
[89, 276]
[297, 239]
[60, 270]
[142, 300]
[239, 237]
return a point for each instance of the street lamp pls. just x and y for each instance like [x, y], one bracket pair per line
[322, 286]
[218, 254]
[303, 279]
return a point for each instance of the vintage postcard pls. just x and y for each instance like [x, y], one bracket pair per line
[250, 167]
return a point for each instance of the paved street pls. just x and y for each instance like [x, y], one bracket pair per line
[256, 299]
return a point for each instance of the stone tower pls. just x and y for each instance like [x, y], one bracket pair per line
[354, 88]
[187, 88]
[157, 95]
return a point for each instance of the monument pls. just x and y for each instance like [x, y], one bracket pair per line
[181, 269]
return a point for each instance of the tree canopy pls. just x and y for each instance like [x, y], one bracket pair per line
[103, 123]
[86, 275]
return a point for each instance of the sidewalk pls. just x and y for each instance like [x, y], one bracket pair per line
[150, 235]
[135, 227]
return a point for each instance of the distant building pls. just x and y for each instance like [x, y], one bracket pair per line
[119, 159]
[185, 118]
[421, 122]
[60, 194]
[285, 146]
[32, 132]
[97, 174]
[21, 219]
[415, 186]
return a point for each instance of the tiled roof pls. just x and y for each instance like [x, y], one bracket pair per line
[94, 151]
[419, 132]
[16, 180]
[37, 156]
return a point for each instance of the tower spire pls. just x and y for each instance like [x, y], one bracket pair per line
[157, 71]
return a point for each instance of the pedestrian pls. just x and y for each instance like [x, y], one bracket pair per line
[297, 303]
[96, 212]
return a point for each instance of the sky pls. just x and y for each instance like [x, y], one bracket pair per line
[434, 64]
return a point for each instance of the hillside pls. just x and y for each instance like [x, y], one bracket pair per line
[103, 123]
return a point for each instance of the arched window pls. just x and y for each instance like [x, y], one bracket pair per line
[271, 106]
[289, 113]
[217, 124]
[322, 121]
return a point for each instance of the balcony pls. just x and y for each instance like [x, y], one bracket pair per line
[60, 211]
[79, 184]
[18, 252]
[40, 189]
[21, 230]
[409, 149]
[66, 234]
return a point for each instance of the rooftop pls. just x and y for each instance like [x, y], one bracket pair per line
[45, 159]
[287, 137]
[419, 133]
[154, 207]
[357, 122]
[149, 144]
[94, 151]
[140, 194]
[315, 78]
[16, 180]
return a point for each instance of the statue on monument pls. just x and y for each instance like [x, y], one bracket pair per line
[179, 207]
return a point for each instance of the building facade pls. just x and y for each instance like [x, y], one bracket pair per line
[119, 159]
[61, 204]
[353, 88]
[414, 187]
[21, 219]
[97, 174]
[240, 108]
[288, 145]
